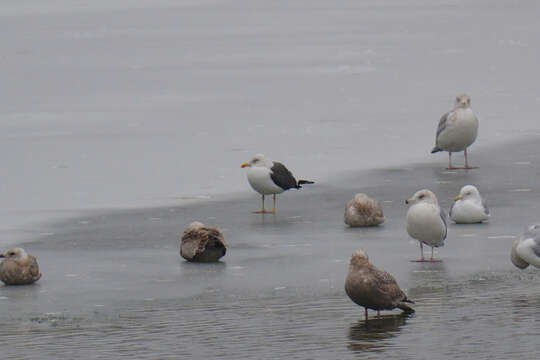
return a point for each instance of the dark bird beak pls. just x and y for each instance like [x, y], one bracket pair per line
[407, 202]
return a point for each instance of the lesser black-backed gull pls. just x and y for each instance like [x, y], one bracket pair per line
[269, 177]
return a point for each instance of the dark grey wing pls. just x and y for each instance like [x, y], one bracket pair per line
[282, 177]
[484, 205]
[443, 218]
[536, 245]
[451, 209]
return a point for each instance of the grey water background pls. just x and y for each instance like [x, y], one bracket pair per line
[121, 123]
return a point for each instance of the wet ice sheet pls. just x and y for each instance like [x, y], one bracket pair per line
[139, 103]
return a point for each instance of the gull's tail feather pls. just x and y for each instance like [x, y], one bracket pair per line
[435, 150]
[405, 307]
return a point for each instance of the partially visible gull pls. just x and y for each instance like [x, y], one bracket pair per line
[457, 130]
[18, 268]
[200, 243]
[269, 177]
[526, 249]
[363, 211]
[372, 288]
[426, 221]
[468, 207]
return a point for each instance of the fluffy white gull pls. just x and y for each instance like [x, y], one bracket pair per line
[18, 268]
[269, 177]
[426, 221]
[468, 207]
[373, 288]
[457, 130]
[526, 249]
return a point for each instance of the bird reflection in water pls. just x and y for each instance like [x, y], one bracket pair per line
[370, 335]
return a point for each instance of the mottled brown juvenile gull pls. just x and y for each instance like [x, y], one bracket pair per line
[526, 249]
[363, 211]
[372, 288]
[200, 243]
[468, 207]
[426, 221]
[18, 268]
[457, 130]
[269, 177]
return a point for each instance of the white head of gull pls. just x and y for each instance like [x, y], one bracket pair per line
[373, 288]
[526, 250]
[426, 221]
[469, 207]
[269, 177]
[457, 130]
[18, 268]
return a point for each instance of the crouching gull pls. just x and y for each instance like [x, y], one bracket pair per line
[468, 207]
[457, 130]
[363, 211]
[200, 243]
[426, 221]
[372, 288]
[18, 268]
[526, 249]
[269, 177]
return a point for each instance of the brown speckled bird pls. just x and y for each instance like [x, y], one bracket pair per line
[202, 244]
[18, 268]
[372, 288]
[363, 211]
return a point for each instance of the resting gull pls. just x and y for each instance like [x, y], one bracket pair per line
[372, 288]
[526, 249]
[457, 130]
[269, 177]
[18, 268]
[426, 221]
[363, 211]
[468, 207]
[200, 243]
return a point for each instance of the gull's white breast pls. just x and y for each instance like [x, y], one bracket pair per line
[468, 212]
[424, 223]
[459, 133]
[260, 180]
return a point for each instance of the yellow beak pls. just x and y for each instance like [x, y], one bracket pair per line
[459, 197]
[408, 201]
[245, 165]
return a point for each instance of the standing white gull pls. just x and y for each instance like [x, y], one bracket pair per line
[526, 249]
[457, 130]
[269, 177]
[426, 221]
[468, 207]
